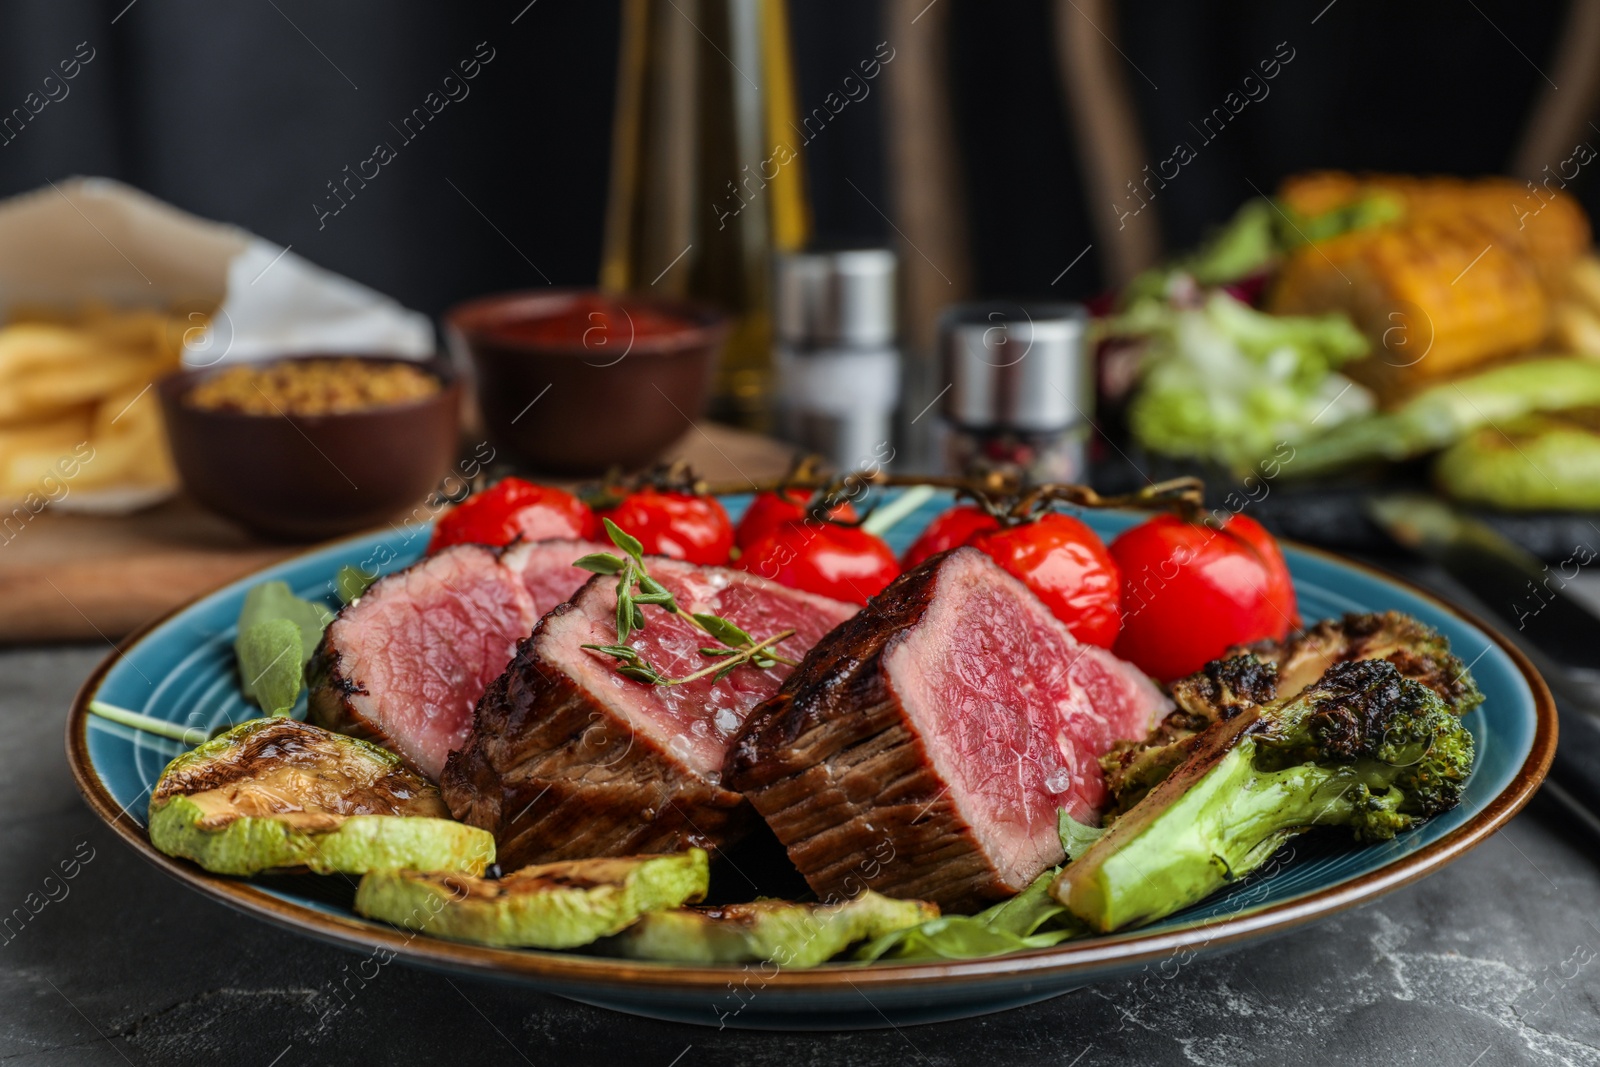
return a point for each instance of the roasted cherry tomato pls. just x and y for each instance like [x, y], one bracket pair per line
[1191, 590]
[951, 529]
[768, 511]
[1067, 567]
[513, 508]
[677, 524]
[843, 562]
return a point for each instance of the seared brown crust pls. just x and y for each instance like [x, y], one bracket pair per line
[835, 767]
[328, 700]
[553, 775]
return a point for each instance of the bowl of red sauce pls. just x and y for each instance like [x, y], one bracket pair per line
[577, 382]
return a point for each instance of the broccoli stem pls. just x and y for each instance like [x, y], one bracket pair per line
[1220, 829]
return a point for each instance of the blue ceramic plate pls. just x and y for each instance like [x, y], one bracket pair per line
[181, 669]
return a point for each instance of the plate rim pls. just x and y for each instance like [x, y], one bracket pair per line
[553, 970]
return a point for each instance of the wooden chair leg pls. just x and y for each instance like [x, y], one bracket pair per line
[929, 202]
[1561, 118]
[1105, 126]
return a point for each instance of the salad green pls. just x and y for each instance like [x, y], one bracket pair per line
[1226, 383]
[278, 632]
[1031, 919]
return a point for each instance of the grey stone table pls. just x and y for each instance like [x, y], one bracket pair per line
[1493, 961]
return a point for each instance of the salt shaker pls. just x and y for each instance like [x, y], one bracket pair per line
[837, 364]
[1020, 390]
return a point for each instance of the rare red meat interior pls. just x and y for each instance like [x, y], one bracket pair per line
[405, 664]
[569, 759]
[925, 747]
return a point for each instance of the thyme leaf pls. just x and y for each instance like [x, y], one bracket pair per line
[636, 588]
[600, 563]
[625, 541]
[723, 630]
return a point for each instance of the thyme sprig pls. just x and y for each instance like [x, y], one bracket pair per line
[636, 589]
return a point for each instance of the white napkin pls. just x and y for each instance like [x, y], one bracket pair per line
[95, 239]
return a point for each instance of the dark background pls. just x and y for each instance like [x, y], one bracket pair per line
[242, 112]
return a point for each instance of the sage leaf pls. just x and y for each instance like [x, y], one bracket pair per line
[274, 600]
[270, 669]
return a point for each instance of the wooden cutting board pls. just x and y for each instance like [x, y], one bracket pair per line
[68, 577]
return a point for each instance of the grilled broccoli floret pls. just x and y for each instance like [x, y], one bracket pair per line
[1364, 748]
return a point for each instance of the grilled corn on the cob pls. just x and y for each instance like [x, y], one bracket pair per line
[1467, 273]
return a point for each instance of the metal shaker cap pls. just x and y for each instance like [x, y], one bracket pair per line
[836, 299]
[1018, 367]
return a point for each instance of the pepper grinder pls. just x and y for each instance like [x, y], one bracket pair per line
[1020, 390]
[837, 365]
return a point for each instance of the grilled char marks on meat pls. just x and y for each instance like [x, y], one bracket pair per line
[925, 747]
[405, 664]
[569, 759]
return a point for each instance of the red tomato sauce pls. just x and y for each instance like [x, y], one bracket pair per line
[590, 321]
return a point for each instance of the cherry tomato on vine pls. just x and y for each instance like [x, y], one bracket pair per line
[843, 562]
[672, 523]
[950, 529]
[1192, 590]
[1067, 567]
[513, 508]
[770, 510]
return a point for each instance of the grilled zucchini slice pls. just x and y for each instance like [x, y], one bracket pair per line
[549, 905]
[775, 931]
[273, 793]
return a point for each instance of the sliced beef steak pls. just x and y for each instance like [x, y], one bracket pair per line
[569, 759]
[925, 747]
[405, 664]
[547, 572]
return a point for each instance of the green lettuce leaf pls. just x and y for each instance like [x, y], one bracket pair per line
[1247, 244]
[1076, 837]
[1229, 384]
[1374, 209]
[1031, 919]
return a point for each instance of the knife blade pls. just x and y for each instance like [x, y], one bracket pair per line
[1559, 636]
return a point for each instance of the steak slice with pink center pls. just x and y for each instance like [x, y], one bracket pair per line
[569, 759]
[405, 664]
[926, 746]
[547, 572]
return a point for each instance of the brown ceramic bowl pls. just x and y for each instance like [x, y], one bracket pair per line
[307, 477]
[611, 396]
